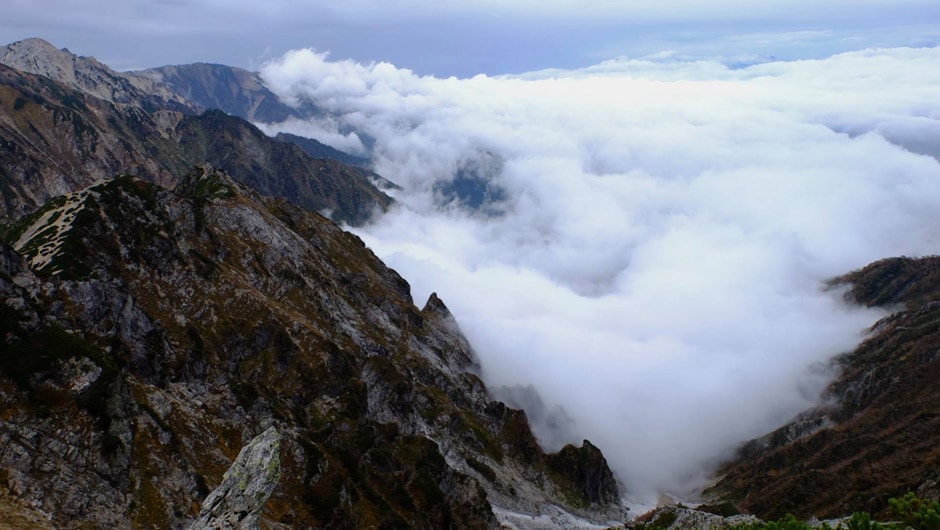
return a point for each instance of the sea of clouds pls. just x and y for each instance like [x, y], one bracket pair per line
[651, 238]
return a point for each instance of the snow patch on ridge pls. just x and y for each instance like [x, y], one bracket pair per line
[42, 241]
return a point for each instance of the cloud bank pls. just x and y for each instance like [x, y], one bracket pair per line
[652, 236]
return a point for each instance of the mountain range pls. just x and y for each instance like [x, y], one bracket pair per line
[70, 121]
[172, 293]
[191, 340]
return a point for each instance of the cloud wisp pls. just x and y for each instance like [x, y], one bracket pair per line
[650, 238]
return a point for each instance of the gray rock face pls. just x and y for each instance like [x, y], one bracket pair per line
[237, 502]
[588, 466]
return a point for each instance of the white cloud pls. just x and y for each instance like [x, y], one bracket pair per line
[323, 129]
[665, 229]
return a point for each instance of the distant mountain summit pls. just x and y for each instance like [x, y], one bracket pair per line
[86, 74]
[243, 94]
[214, 86]
[69, 121]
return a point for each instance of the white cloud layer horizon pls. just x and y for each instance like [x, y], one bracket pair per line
[664, 228]
[463, 37]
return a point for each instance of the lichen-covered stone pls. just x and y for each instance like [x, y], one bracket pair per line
[246, 486]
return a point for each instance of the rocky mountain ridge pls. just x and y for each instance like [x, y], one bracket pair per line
[191, 89]
[149, 334]
[243, 94]
[320, 150]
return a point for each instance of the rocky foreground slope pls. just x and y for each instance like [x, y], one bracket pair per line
[149, 334]
[880, 437]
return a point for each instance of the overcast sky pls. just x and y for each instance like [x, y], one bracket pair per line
[466, 37]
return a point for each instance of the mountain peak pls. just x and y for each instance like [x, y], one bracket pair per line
[40, 57]
[435, 306]
[33, 43]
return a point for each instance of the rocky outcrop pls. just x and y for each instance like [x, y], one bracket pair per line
[680, 517]
[588, 467]
[149, 333]
[880, 437]
[245, 487]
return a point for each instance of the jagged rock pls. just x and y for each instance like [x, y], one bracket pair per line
[18, 515]
[245, 487]
[553, 427]
[684, 518]
[11, 263]
[588, 467]
[930, 488]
